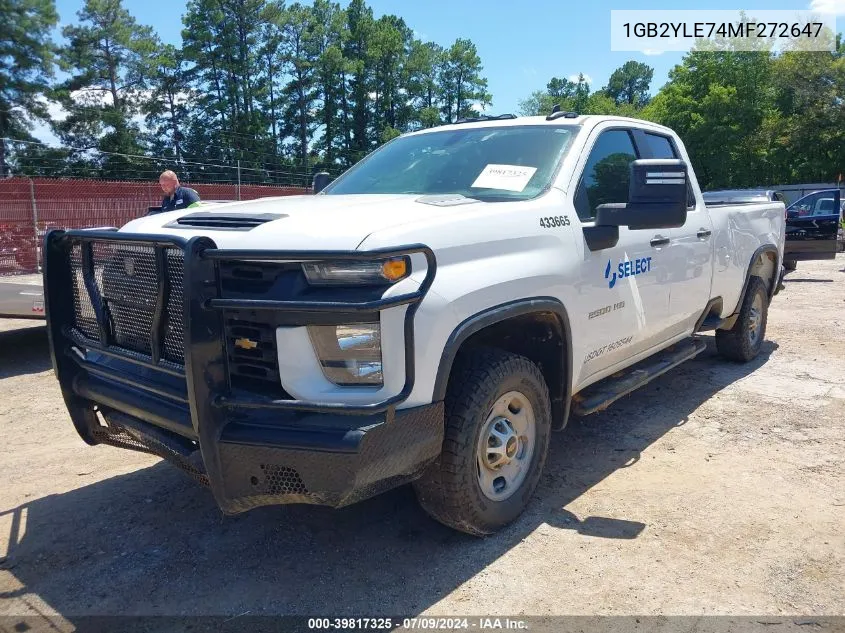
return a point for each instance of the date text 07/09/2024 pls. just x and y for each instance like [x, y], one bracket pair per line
[418, 623]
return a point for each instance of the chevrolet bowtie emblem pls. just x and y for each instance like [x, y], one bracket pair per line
[245, 343]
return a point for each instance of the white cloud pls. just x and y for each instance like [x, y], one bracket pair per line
[652, 51]
[574, 78]
[41, 132]
[41, 129]
[85, 96]
[56, 111]
[836, 7]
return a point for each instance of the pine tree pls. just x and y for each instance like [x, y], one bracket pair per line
[26, 65]
[461, 85]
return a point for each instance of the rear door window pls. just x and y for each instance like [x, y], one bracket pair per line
[660, 146]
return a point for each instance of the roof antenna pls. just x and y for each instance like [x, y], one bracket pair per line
[556, 108]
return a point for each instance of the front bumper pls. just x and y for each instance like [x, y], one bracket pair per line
[250, 449]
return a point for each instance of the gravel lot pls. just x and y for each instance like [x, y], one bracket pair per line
[717, 489]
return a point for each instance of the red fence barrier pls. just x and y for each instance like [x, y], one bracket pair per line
[28, 207]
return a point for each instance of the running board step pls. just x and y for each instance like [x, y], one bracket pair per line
[601, 395]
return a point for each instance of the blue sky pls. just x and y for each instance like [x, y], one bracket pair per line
[522, 44]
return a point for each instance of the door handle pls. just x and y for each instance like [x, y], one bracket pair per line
[659, 240]
[703, 234]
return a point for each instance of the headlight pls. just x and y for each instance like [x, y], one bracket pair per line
[355, 273]
[349, 354]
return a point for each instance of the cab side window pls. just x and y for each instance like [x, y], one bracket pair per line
[607, 173]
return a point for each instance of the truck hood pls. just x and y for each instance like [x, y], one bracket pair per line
[322, 222]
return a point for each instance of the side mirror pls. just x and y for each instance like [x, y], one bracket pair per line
[321, 181]
[657, 197]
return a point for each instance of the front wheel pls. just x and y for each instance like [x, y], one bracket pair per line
[743, 341]
[498, 420]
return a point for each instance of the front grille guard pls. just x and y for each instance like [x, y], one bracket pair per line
[204, 339]
[209, 397]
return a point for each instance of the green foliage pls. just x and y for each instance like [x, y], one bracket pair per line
[747, 118]
[26, 65]
[165, 105]
[389, 133]
[285, 89]
[462, 87]
[275, 88]
[630, 83]
[107, 55]
[571, 96]
[809, 130]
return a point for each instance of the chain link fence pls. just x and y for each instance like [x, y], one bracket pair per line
[29, 207]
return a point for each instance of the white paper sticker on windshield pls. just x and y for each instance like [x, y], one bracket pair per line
[507, 177]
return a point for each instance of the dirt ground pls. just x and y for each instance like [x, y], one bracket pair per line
[717, 489]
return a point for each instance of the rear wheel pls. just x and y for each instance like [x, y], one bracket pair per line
[790, 264]
[498, 420]
[743, 341]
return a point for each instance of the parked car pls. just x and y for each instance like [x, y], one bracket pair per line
[812, 226]
[429, 317]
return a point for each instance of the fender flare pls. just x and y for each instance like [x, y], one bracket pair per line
[766, 248]
[502, 312]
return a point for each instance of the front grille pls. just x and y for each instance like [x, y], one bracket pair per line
[253, 358]
[123, 279]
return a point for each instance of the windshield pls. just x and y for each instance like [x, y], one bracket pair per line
[504, 163]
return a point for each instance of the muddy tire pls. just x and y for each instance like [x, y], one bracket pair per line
[498, 420]
[743, 341]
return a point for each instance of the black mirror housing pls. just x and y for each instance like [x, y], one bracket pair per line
[657, 197]
[321, 181]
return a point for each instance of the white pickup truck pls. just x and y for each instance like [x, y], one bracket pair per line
[429, 317]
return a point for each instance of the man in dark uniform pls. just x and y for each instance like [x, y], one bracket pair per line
[176, 197]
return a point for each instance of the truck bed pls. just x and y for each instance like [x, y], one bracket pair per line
[21, 296]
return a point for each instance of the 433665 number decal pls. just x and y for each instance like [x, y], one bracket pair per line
[554, 221]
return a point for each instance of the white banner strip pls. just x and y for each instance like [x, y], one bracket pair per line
[654, 32]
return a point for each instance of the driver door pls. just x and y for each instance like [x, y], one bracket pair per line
[625, 290]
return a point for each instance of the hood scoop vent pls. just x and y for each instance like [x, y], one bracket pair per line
[223, 221]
